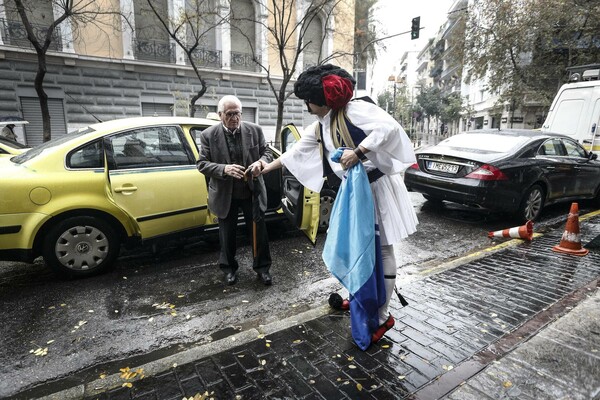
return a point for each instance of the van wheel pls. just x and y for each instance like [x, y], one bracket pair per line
[532, 203]
[327, 200]
[81, 246]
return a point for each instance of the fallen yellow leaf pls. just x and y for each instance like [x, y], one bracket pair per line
[507, 384]
[127, 384]
[359, 387]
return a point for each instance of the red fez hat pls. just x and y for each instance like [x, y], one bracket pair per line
[337, 90]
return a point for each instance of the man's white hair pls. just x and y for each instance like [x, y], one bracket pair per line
[228, 99]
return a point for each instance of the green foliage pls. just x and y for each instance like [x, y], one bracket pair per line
[430, 101]
[523, 47]
[451, 108]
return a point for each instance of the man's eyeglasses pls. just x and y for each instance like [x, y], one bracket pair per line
[231, 114]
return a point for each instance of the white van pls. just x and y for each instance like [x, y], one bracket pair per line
[575, 111]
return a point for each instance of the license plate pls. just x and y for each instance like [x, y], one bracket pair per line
[442, 167]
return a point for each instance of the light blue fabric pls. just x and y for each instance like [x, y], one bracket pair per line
[352, 252]
[349, 250]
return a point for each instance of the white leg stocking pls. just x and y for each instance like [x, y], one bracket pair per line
[389, 273]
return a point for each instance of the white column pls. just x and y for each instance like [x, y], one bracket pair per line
[175, 12]
[66, 30]
[2, 16]
[127, 31]
[300, 11]
[223, 35]
[261, 34]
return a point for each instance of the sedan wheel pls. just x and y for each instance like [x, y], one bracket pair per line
[327, 200]
[532, 203]
[81, 246]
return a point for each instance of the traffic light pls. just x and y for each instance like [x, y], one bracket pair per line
[414, 29]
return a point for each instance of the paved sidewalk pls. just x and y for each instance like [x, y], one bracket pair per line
[522, 322]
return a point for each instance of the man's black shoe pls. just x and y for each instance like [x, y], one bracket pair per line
[231, 278]
[265, 277]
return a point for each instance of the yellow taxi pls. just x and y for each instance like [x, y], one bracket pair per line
[76, 199]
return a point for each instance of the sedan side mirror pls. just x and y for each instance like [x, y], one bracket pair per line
[592, 156]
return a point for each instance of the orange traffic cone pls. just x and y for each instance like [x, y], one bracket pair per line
[519, 232]
[570, 243]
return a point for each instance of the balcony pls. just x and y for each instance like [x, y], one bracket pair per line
[206, 58]
[154, 50]
[244, 62]
[14, 34]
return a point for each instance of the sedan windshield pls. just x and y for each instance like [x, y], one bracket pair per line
[36, 151]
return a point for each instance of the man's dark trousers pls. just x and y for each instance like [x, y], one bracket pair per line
[227, 238]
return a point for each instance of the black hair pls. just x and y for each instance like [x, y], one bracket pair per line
[309, 86]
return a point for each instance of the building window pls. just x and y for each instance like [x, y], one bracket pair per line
[152, 42]
[313, 39]
[243, 36]
[200, 32]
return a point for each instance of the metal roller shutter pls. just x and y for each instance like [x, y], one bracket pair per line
[249, 114]
[32, 112]
[157, 110]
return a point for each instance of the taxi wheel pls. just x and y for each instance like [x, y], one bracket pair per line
[81, 246]
[327, 199]
[532, 203]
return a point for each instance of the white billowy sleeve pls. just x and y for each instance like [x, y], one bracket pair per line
[389, 147]
[303, 160]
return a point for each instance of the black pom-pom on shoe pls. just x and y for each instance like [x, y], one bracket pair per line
[338, 303]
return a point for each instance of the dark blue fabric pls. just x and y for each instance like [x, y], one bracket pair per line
[365, 304]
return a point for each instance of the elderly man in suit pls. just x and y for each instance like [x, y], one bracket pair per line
[231, 153]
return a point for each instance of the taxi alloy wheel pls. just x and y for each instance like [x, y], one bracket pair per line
[327, 200]
[81, 246]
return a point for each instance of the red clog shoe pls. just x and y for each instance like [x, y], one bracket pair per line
[383, 328]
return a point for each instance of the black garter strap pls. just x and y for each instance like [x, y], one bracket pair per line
[389, 276]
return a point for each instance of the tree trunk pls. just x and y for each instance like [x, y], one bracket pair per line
[39, 88]
[279, 121]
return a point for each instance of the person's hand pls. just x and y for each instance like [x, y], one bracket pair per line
[255, 168]
[273, 165]
[234, 170]
[348, 159]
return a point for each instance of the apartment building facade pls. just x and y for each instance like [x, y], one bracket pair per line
[127, 67]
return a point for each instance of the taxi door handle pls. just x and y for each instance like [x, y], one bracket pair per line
[125, 189]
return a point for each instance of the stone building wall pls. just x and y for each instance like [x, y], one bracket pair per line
[111, 88]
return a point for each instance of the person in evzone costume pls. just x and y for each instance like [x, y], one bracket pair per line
[371, 136]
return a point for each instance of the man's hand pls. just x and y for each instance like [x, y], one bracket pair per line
[234, 170]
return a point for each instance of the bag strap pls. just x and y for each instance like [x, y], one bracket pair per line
[339, 127]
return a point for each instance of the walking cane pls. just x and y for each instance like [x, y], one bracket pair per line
[253, 185]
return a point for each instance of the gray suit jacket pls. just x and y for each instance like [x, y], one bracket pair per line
[214, 155]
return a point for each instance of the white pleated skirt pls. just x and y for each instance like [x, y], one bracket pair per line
[393, 209]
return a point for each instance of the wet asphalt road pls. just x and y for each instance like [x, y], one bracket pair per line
[154, 304]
